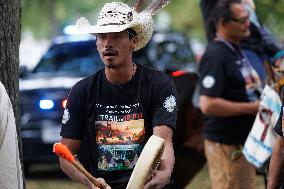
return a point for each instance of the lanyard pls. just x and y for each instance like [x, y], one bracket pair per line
[241, 56]
[246, 69]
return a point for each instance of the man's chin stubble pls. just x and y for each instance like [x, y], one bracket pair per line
[110, 66]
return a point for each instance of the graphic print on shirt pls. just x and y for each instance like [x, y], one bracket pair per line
[252, 80]
[120, 135]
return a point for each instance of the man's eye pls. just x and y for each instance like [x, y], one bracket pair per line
[101, 36]
[117, 36]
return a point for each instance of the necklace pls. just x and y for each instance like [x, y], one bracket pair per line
[133, 70]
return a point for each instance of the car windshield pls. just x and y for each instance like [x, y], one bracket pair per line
[76, 58]
[171, 52]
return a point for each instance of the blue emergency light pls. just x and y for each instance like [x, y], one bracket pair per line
[46, 104]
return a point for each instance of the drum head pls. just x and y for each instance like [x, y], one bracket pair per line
[147, 163]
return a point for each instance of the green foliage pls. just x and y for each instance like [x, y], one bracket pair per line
[271, 13]
[46, 18]
[186, 17]
[34, 17]
[40, 16]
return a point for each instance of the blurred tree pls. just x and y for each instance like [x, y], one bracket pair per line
[272, 19]
[56, 14]
[9, 54]
[185, 15]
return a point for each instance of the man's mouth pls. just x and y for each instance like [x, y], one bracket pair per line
[110, 53]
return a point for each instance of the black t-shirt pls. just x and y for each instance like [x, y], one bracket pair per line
[117, 120]
[278, 126]
[221, 76]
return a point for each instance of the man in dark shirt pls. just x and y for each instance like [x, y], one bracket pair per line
[260, 46]
[229, 92]
[118, 108]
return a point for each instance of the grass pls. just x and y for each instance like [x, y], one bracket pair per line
[202, 181]
[50, 178]
[53, 184]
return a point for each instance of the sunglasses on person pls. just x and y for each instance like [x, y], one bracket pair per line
[240, 20]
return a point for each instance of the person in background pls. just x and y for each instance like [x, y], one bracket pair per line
[259, 47]
[10, 164]
[118, 108]
[229, 92]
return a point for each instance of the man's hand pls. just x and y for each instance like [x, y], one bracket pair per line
[162, 175]
[90, 185]
[160, 178]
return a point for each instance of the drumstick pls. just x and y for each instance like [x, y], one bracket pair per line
[62, 151]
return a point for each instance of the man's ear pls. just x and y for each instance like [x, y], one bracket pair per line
[222, 22]
[134, 41]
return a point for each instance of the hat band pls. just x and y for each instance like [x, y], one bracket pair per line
[113, 24]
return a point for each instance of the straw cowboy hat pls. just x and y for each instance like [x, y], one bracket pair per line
[118, 16]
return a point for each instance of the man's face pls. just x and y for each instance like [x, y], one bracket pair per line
[238, 25]
[116, 48]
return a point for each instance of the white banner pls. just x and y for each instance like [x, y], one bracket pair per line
[261, 139]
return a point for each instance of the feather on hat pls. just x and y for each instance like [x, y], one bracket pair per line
[118, 16]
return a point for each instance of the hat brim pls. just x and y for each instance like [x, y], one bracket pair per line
[143, 36]
[103, 29]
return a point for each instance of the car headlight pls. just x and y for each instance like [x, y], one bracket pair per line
[46, 104]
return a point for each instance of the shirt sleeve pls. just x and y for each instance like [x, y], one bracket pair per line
[165, 105]
[73, 123]
[278, 126]
[211, 76]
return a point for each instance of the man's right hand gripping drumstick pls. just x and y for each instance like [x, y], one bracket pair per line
[86, 178]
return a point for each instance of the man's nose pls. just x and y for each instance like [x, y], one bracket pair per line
[108, 42]
[247, 22]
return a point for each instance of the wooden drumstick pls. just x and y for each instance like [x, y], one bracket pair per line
[62, 151]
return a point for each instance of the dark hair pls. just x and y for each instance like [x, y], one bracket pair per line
[131, 33]
[221, 10]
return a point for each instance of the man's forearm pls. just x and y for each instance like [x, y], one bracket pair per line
[276, 166]
[225, 108]
[73, 172]
[168, 159]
